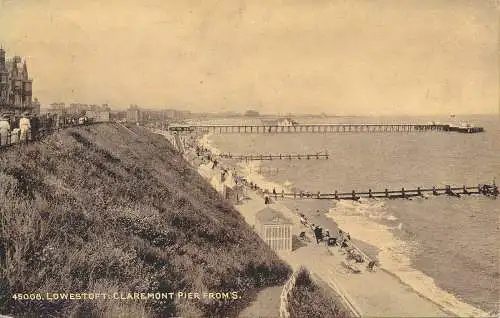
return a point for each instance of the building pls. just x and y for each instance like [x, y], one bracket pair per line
[274, 229]
[134, 114]
[98, 116]
[251, 113]
[78, 109]
[286, 122]
[57, 108]
[15, 86]
[175, 115]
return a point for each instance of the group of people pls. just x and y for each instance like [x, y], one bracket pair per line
[29, 127]
[207, 156]
[342, 239]
[18, 129]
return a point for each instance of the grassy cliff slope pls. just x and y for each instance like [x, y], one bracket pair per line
[104, 209]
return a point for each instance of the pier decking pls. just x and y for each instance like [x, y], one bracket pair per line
[456, 191]
[322, 128]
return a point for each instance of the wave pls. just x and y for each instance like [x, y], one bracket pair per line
[249, 168]
[360, 219]
[205, 141]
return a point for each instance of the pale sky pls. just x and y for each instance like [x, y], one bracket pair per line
[341, 57]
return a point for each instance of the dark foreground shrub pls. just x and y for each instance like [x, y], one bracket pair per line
[307, 299]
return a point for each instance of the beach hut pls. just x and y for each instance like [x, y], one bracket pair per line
[274, 229]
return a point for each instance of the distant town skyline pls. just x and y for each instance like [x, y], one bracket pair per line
[363, 57]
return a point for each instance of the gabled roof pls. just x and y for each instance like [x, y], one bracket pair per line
[271, 216]
[21, 67]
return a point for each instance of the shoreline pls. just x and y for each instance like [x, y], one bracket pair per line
[426, 286]
[370, 249]
[398, 261]
[373, 252]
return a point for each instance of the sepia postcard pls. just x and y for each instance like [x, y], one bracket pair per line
[249, 158]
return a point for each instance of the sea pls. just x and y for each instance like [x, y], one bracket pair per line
[446, 248]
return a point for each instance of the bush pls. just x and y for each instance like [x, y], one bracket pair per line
[307, 299]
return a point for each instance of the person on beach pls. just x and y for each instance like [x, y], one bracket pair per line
[302, 219]
[318, 232]
[327, 236]
[266, 199]
[344, 244]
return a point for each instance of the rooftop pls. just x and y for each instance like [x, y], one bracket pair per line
[271, 216]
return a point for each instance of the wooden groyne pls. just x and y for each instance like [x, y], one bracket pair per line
[269, 170]
[318, 155]
[317, 128]
[457, 191]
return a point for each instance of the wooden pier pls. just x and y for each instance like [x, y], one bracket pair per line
[457, 191]
[316, 156]
[312, 128]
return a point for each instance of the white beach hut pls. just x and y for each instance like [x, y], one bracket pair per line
[274, 229]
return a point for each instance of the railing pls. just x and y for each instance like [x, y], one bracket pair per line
[285, 293]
